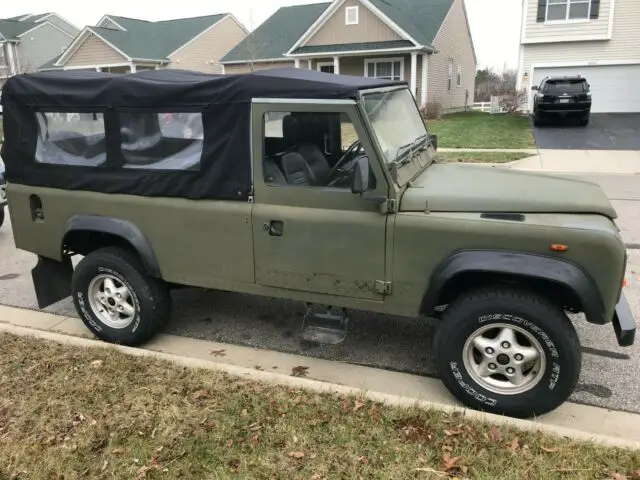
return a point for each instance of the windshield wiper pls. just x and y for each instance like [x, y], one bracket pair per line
[414, 147]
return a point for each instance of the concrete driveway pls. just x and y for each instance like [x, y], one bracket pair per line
[606, 131]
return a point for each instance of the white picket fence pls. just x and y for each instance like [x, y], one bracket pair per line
[491, 107]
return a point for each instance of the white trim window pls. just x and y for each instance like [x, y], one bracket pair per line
[568, 10]
[387, 68]
[351, 15]
[450, 76]
[326, 67]
[459, 76]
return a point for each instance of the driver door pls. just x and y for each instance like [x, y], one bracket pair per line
[317, 238]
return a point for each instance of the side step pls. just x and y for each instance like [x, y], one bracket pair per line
[326, 325]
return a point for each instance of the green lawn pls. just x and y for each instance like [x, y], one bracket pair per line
[481, 157]
[482, 130]
[78, 413]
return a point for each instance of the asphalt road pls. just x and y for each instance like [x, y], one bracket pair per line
[606, 131]
[609, 376]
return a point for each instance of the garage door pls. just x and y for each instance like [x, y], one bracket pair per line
[614, 88]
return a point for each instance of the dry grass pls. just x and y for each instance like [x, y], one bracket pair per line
[73, 413]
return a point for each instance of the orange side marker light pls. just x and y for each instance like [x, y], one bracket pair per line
[558, 247]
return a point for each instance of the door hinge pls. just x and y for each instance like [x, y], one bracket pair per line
[389, 205]
[383, 287]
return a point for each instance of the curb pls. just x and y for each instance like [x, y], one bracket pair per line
[325, 387]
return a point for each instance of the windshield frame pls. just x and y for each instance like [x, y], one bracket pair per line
[401, 172]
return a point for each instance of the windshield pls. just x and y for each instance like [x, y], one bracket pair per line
[396, 121]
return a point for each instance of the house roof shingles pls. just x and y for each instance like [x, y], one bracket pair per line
[154, 40]
[421, 19]
[10, 29]
[277, 34]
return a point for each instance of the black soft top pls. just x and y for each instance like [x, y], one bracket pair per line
[218, 166]
[168, 87]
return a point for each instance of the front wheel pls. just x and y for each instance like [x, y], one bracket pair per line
[117, 300]
[508, 352]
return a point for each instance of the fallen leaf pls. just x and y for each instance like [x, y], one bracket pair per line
[142, 472]
[451, 433]
[255, 441]
[495, 434]
[299, 371]
[317, 476]
[549, 450]
[449, 463]
[117, 451]
[244, 412]
[618, 476]
[230, 443]
[219, 353]
[200, 394]
[363, 459]
[515, 444]
[97, 363]
[375, 416]
[636, 474]
[358, 405]
[258, 367]
[346, 406]
[234, 463]
[296, 455]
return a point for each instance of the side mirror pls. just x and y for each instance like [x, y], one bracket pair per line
[535, 87]
[361, 176]
[434, 141]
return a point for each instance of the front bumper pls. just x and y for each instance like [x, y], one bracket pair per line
[624, 323]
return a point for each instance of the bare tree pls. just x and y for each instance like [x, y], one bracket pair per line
[253, 45]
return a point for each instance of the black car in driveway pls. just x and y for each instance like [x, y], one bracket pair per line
[561, 97]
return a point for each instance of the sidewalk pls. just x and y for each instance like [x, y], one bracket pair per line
[572, 420]
[532, 151]
[582, 161]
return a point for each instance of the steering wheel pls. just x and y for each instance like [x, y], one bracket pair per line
[349, 154]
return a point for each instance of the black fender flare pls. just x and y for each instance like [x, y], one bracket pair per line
[516, 264]
[120, 228]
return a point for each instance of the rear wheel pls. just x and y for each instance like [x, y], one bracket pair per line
[117, 300]
[508, 352]
[584, 121]
[537, 121]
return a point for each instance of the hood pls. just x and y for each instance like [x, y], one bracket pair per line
[474, 188]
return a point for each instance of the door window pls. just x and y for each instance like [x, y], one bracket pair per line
[311, 150]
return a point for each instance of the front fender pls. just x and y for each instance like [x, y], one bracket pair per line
[514, 264]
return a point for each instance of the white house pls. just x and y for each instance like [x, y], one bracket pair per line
[598, 39]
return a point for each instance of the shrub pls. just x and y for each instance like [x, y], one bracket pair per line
[432, 110]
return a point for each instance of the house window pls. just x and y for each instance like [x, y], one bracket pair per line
[450, 76]
[459, 76]
[351, 14]
[568, 10]
[387, 68]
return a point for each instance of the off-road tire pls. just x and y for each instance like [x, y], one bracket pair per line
[150, 295]
[584, 121]
[537, 121]
[1, 216]
[542, 319]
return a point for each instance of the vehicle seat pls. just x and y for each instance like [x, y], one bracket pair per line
[272, 173]
[299, 132]
[296, 170]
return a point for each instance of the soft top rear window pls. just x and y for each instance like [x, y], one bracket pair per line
[566, 86]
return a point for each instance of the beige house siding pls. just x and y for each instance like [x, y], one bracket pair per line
[237, 68]
[204, 53]
[537, 32]
[622, 46]
[94, 51]
[453, 43]
[369, 28]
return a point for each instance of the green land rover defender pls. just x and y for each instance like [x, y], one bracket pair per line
[313, 187]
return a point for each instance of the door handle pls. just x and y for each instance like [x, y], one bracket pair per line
[274, 228]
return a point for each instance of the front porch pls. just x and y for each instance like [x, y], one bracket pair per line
[409, 65]
[117, 68]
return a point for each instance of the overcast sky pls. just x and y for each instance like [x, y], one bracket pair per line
[496, 40]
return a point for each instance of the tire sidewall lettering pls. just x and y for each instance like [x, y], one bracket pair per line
[136, 302]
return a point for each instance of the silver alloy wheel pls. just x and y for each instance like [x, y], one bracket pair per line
[504, 359]
[112, 302]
